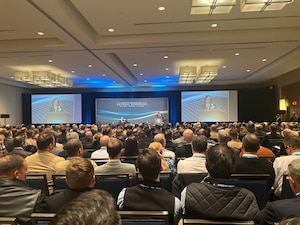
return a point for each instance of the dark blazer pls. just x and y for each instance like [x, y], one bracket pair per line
[277, 210]
[184, 151]
[255, 165]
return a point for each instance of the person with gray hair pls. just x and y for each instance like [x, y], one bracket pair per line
[161, 139]
[223, 137]
[277, 210]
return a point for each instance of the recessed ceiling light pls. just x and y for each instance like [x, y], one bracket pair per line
[167, 76]
[11, 77]
[135, 64]
[166, 57]
[167, 69]
[224, 67]
[103, 75]
[50, 60]
[248, 71]
[90, 65]
[264, 60]
[145, 81]
[40, 33]
[111, 30]
[141, 74]
[237, 53]
[87, 78]
[161, 8]
[214, 25]
[114, 81]
[72, 71]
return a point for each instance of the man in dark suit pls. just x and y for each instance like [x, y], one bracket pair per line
[277, 210]
[250, 163]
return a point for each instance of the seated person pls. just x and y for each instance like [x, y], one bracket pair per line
[216, 197]
[95, 207]
[277, 210]
[79, 177]
[17, 199]
[149, 195]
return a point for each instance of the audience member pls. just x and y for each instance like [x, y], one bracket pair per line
[102, 152]
[277, 210]
[280, 164]
[250, 163]
[235, 142]
[166, 153]
[149, 195]
[74, 149]
[19, 145]
[94, 207]
[131, 146]
[169, 140]
[216, 197]
[159, 149]
[17, 199]
[79, 177]
[291, 220]
[195, 163]
[185, 150]
[43, 161]
[114, 164]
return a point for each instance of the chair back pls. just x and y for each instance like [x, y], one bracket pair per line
[100, 161]
[42, 218]
[286, 188]
[112, 183]
[38, 181]
[8, 221]
[166, 180]
[277, 146]
[256, 183]
[206, 222]
[144, 217]
[59, 182]
[129, 159]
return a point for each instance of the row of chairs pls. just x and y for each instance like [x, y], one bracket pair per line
[129, 218]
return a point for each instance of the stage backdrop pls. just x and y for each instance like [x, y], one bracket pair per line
[132, 110]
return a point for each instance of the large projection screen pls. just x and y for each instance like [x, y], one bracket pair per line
[56, 108]
[209, 106]
[132, 110]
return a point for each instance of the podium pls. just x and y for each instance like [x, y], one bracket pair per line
[212, 115]
[58, 117]
[158, 120]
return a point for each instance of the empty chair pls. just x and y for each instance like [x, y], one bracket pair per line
[8, 221]
[38, 181]
[144, 217]
[286, 188]
[257, 183]
[42, 218]
[205, 222]
[113, 183]
[59, 182]
[166, 180]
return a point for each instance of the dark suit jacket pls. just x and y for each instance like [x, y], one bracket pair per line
[277, 210]
[61, 197]
[245, 165]
[184, 151]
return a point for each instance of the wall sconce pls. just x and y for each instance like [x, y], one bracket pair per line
[283, 104]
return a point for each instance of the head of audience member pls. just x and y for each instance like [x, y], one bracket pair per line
[223, 137]
[80, 173]
[291, 220]
[94, 207]
[251, 143]
[19, 141]
[234, 134]
[131, 146]
[159, 149]
[292, 144]
[89, 135]
[169, 134]
[107, 131]
[45, 141]
[13, 166]
[114, 148]
[220, 161]
[161, 139]
[74, 148]
[188, 135]
[273, 128]
[104, 140]
[294, 175]
[199, 144]
[149, 164]
[72, 135]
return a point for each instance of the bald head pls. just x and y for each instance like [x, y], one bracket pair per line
[188, 135]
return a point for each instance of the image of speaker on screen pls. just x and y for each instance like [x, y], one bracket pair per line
[55, 107]
[208, 104]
